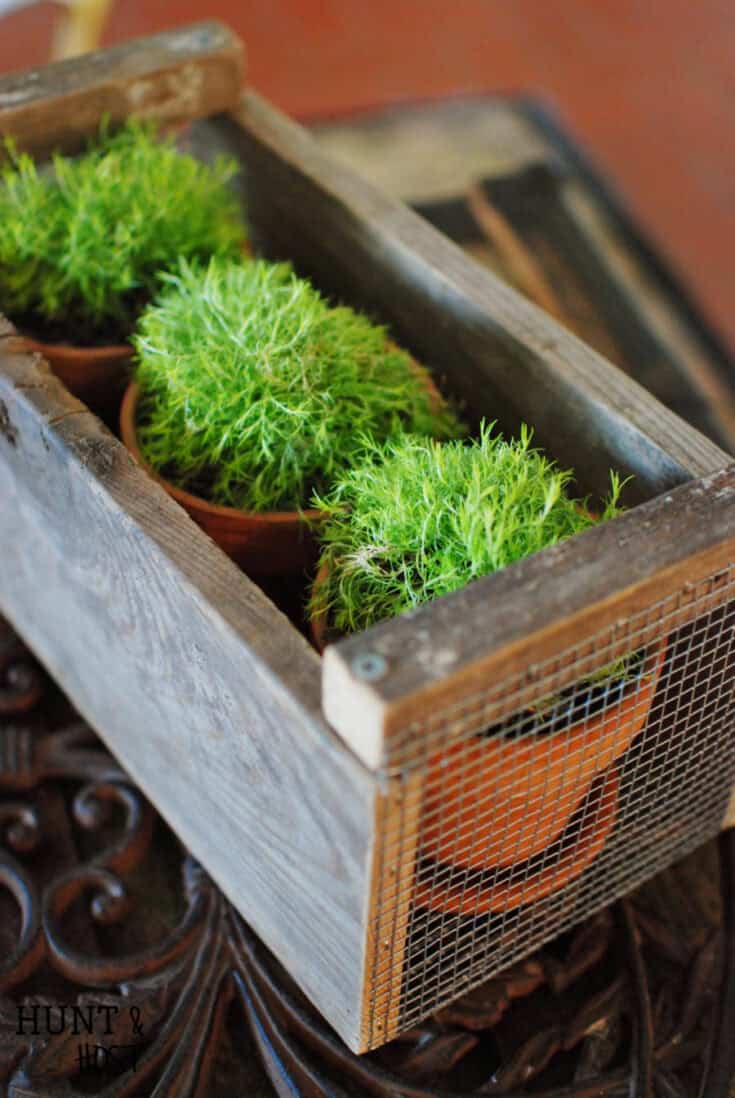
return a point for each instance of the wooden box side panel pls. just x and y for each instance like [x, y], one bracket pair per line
[171, 77]
[204, 691]
[729, 817]
[398, 809]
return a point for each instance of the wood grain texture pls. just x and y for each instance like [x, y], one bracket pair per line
[397, 830]
[497, 352]
[685, 355]
[474, 643]
[172, 77]
[729, 820]
[205, 692]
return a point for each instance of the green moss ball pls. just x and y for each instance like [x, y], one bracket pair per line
[257, 392]
[422, 519]
[83, 241]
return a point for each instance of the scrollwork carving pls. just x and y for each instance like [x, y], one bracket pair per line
[170, 996]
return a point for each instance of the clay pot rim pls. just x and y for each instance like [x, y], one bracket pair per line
[318, 623]
[101, 351]
[129, 435]
[539, 774]
[78, 351]
[650, 669]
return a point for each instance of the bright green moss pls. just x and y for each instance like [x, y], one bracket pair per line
[422, 519]
[82, 243]
[257, 392]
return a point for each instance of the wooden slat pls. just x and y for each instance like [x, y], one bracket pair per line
[729, 820]
[499, 353]
[474, 642]
[204, 691]
[397, 830]
[172, 77]
[708, 390]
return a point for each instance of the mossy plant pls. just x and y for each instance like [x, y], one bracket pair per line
[257, 392]
[422, 519]
[82, 241]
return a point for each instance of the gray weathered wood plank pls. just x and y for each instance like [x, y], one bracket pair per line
[205, 692]
[172, 77]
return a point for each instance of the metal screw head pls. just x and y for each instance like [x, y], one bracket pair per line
[369, 666]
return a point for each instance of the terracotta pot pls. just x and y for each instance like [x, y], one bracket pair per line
[497, 801]
[96, 375]
[494, 801]
[319, 623]
[442, 889]
[268, 544]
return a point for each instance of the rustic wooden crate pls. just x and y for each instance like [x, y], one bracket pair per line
[304, 785]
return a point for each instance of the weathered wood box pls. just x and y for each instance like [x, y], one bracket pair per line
[410, 813]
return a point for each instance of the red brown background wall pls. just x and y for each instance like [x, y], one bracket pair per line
[648, 85]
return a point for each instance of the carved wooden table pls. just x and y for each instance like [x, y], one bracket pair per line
[125, 971]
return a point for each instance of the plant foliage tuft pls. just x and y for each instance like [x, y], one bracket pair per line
[256, 392]
[422, 519]
[83, 240]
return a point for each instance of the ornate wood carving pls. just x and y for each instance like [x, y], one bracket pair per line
[94, 1000]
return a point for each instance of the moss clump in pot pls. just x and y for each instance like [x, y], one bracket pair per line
[257, 392]
[423, 519]
[83, 241]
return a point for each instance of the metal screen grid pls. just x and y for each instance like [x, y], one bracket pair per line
[497, 838]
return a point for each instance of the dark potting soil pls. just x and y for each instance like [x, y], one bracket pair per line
[572, 705]
[66, 331]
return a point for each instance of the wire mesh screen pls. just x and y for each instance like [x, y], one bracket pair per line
[610, 760]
